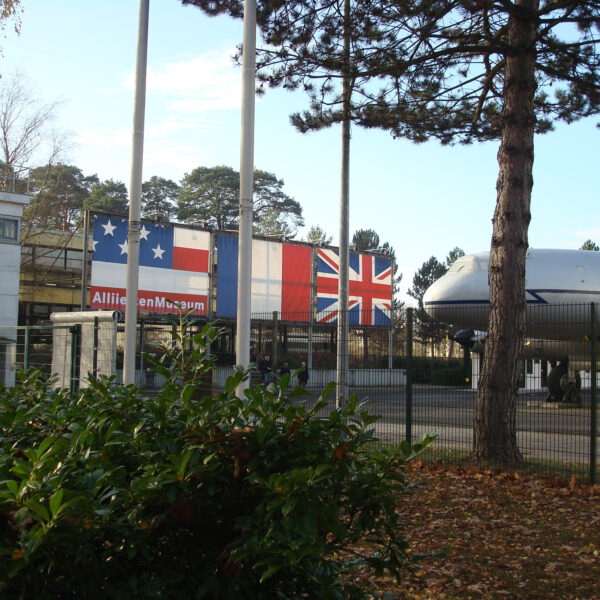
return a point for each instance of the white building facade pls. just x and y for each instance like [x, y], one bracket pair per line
[11, 212]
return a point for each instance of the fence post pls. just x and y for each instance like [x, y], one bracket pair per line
[142, 342]
[391, 345]
[593, 402]
[275, 345]
[26, 349]
[309, 357]
[74, 337]
[409, 351]
[95, 357]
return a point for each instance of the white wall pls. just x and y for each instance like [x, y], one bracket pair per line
[11, 205]
[319, 378]
[533, 380]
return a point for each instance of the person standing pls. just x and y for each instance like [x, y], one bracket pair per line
[266, 369]
[303, 376]
[285, 370]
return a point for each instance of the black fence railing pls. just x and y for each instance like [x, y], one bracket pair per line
[417, 375]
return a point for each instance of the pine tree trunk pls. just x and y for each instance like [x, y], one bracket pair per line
[495, 438]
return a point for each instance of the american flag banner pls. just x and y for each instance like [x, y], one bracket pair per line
[370, 288]
[173, 267]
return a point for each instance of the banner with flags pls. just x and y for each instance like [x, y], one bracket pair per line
[369, 293]
[173, 269]
[281, 278]
[174, 274]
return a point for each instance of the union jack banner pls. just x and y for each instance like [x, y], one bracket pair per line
[369, 293]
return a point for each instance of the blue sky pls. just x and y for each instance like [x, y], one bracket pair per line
[423, 199]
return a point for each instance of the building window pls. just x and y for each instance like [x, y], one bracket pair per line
[50, 257]
[74, 259]
[9, 229]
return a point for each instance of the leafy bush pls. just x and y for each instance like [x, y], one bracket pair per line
[435, 371]
[108, 494]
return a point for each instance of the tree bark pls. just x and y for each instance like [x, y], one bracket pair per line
[495, 438]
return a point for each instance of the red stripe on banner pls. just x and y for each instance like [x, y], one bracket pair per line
[295, 284]
[384, 274]
[190, 259]
[327, 285]
[367, 298]
[152, 302]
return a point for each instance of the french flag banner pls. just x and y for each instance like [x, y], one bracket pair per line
[369, 288]
[173, 270]
[281, 278]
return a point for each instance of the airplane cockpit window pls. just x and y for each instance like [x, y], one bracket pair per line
[467, 263]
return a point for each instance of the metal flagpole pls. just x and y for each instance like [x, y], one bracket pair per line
[133, 237]
[84, 270]
[242, 341]
[342, 328]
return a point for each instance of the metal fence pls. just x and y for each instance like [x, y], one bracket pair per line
[415, 375]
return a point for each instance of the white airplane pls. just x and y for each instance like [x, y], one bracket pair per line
[560, 286]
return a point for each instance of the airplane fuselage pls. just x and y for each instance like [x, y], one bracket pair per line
[560, 287]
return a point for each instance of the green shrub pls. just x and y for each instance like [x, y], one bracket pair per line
[108, 494]
[436, 371]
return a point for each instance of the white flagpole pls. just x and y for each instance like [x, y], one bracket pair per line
[133, 238]
[242, 343]
[344, 251]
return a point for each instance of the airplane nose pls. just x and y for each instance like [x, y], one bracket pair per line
[432, 293]
[435, 299]
[459, 298]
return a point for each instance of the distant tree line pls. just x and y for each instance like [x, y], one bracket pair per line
[208, 196]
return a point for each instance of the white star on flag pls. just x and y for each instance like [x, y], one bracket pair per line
[124, 247]
[109, 228]
[144, 233]
[158, 252]
[94, 243]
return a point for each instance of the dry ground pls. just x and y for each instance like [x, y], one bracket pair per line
[502, 536]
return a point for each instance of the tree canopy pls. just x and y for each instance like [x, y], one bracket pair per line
[590, 245]
[316, 235]
[159, 197]
[270, 197]
[431, 270]
[453, 84]
[304, 49]
[58, 194]
[211, 195]
[421, 69]
[454, 255]
[365, 239]
[108, 196]
[270, 223]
